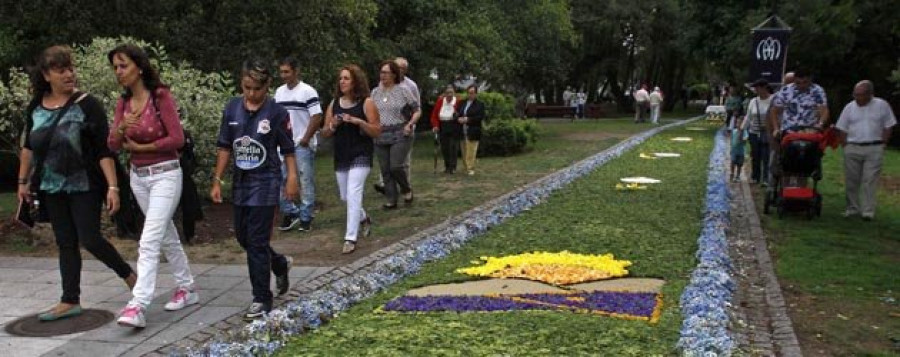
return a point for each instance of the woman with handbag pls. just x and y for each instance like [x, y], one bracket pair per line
[147, 125]
[353, 120]
[65, 134]
[444, 122]
[395, 141]
[755, 123]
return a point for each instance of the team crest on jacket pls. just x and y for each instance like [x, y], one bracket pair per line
[264, 127]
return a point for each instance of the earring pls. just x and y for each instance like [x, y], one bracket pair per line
[141, 72]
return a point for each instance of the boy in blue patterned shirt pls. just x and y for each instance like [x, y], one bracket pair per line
[738, 140]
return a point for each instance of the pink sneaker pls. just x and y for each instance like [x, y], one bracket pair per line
[182, 298]
[132, 316]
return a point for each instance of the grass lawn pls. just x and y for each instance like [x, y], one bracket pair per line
[8, 202]
[656, 229]
[842, 276]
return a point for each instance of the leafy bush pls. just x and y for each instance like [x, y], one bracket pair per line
[14, 97]
[700, 90]
[506, 136]
[497, 105]
[201, 96]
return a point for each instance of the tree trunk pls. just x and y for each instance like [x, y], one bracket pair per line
[622, 101]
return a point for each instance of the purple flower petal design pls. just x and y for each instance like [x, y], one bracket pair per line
[644, 306]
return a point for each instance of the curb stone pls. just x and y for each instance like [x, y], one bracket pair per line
[785, 340]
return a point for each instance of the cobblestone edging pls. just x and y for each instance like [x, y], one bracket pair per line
[706, 299]
[763, 327]
[734, 303]
[336, 290]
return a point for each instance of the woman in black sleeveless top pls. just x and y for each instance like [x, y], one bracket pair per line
[353, 120]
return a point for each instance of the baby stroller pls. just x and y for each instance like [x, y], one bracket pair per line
[799, 159]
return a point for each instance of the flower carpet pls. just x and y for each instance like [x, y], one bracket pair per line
[563, 268]
[656, 228]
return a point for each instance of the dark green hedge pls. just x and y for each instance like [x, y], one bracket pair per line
[497, 105]
[506, 136]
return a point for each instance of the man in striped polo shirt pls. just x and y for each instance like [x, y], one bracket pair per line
[302, 103]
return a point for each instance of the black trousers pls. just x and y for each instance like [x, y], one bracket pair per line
[75, 218]
[759, 156]
[450, 134]
[253, 229]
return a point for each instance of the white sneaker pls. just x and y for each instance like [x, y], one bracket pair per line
[182, 298]
[132, 316]
[257, 310]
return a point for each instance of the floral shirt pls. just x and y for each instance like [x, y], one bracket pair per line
[799, 107]
[73, 149]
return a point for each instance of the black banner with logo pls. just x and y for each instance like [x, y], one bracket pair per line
[768, 55]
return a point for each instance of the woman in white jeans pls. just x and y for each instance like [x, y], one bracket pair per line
[353, 120]
[147, 125]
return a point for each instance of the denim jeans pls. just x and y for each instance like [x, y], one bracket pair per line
[75, 218]
[253, 229]
[306, 167]
[158, 196]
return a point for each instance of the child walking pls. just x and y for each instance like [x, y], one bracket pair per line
[738, 140]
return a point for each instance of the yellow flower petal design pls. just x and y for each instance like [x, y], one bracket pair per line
[630, 187]
[554, 268]
[553, 273]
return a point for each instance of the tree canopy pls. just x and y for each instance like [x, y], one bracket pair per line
[532, 46]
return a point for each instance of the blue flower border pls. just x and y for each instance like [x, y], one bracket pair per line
[265, 336]
[706, 300]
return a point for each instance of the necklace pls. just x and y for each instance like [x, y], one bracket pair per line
[384, 96]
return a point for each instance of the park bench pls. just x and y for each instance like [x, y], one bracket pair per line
[543, 111]
[562, 111]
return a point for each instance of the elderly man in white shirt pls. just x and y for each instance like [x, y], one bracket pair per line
[656, 99]
[641, 104]
[865, 125]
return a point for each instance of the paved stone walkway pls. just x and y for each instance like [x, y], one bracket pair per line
[31, 285]
[761, 325]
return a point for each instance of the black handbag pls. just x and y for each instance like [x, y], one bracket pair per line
[390, 135]
[129, 219]
[407, 111]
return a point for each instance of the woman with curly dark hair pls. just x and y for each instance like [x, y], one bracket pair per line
[353, 120]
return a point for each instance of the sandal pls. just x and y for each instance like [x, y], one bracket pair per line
[408, 197]
[349, 247]
[365, 226]
[52, 315]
